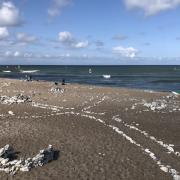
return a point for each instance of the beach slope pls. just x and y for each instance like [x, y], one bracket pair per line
[97, 132]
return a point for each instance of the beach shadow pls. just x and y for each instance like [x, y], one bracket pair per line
[13, 156]
[56, 155]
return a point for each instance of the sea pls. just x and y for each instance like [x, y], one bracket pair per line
[158, 78]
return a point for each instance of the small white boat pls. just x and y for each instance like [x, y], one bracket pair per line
[90, 70]
[107, 76]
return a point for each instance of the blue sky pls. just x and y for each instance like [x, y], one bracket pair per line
[90, 32]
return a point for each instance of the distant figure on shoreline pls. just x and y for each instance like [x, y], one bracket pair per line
[63, 82]
[28, 77]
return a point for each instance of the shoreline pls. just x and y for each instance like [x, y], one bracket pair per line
[95, 85]
[137, 77]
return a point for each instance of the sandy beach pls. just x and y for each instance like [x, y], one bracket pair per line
[99, 132]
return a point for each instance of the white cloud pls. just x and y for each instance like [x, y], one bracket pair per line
[28, 55]
[67, 39]
[25, 38]
[8, 53]
[82, 44]
[67, 55]
[152, 7]
[57, 6]
[9, 14]
[125, 52]
[3, 33]
[16, 54]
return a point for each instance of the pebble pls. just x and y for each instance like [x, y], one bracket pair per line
[11, 113]
[165, 169]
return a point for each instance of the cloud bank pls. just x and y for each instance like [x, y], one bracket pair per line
[125, 52]
[152, 7]
[67, 39]
[25, 38]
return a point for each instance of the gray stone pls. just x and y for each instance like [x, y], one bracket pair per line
[6, 151]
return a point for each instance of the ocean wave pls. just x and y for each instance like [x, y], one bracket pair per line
[29, 71]
[6, 71]
[107, 76]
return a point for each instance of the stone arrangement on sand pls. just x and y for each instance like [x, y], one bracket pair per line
[20, 98]
[57, 90]
[10, 165]
[168, 102]
[156, 105]
[84, 113]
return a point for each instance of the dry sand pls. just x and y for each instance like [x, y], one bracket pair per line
[100, 133]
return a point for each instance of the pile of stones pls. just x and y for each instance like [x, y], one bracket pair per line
[168, 103]
[172, 95]
[57, 90]
[10, 165]
[20, 98]
[156, 105]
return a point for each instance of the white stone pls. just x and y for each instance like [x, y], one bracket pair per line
[176, 177]
[165, 169]
[11, 113]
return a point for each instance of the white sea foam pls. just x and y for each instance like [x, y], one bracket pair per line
[29, 71]
[6, 71]
[107, 76]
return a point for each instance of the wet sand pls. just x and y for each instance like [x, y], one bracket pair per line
[100, 132]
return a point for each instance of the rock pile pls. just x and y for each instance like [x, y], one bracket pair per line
[156, 105]
[173, 95]
[20, 98]
[57, 89]
[168, 103]
[10, 166]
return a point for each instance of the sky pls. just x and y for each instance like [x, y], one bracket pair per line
[102, 32]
